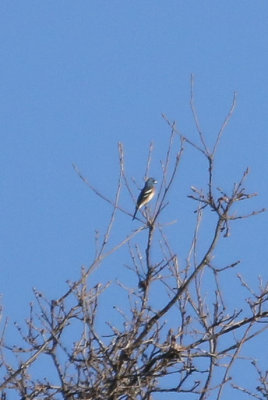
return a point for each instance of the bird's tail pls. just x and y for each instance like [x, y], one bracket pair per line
[135, 213]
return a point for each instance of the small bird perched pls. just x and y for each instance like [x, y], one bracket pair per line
[145, 195]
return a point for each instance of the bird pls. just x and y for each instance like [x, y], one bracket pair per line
[146, 194]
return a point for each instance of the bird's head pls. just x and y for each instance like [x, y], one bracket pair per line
[151, 182]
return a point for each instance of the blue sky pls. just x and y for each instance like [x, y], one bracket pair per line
[76, 78]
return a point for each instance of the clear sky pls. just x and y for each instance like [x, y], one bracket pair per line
[76, 77]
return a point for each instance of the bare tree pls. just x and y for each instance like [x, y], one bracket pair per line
[169, 337]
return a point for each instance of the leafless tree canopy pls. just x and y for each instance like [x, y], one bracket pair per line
[170, 339]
